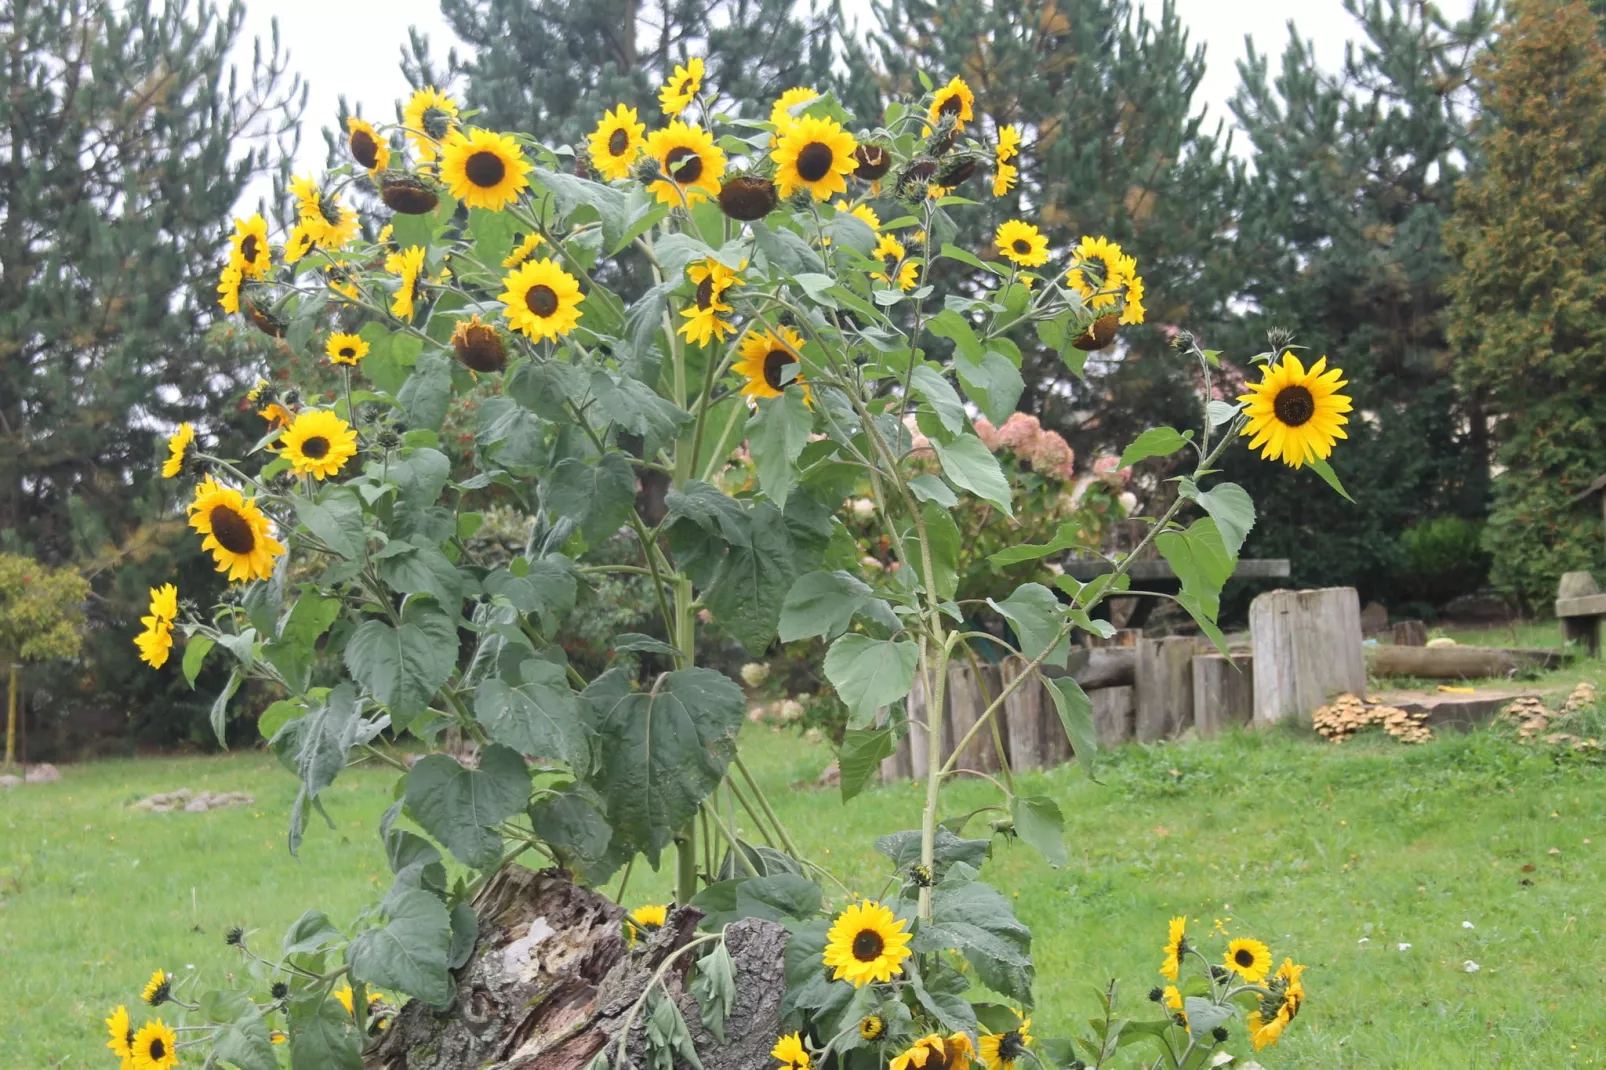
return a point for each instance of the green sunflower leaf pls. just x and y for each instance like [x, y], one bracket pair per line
[1200, 559]
[776, 434]
[246, 1042]
[1155, 442]
[461, 807]
[539, 718]
[195, 652]
[1075, 711]
[941, 396]
[404, 667]
[969, 917]
[870, 673]
[322, 1033]
[599, 495]
[1038, 822]
[410, 953]
[1230, 506]
[1330, 477]
[1038, 618]
[860, 757]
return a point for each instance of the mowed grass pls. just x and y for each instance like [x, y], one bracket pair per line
[1334, 855]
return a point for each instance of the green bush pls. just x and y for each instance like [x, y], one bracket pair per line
[1440, 558]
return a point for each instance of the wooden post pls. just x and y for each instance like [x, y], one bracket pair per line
[1579, 607]
[1307, 649]
[1223, 691]
[1164, 687]
[1122, 637]
[965, 706]
[11, 719]
[1114, 712]
[1027, 719]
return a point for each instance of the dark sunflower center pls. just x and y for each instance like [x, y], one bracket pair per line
[436, 123]
[1243, 956]
[248, 248]
[316, 447]
[1021, 246]
[776, 361]
[952, 106]
[814, 162]
[684, 87]
[364, 149]
[618, 141]
[485, 169]
[683, 165]
[1010, 1046]
[541, 300]
[158, 1049]
[939, 1059]
[1294, 406]
[705, 292]
[232, 531]
[867, 945]
[348, 352]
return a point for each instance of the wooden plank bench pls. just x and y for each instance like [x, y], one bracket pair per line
[1580, 606]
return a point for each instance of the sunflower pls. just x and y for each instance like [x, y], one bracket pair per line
[689, 161]
[747, 197]
[681, 88]
[1249, 959]
[954, 99]
[251, 250]
[1107, 282]
[1005, 175]
[366, 146]
[871, 162]
[1296, 415]
[343, 996]
[1278, 1006]
[345, 348]
[644, 921]
[164, 607]
[122, 1034]
[1172, 997]
[814, 154]
[155, 1047]
[342, 280]
[1133, 311]
[326, 223]
[935, 1052]
[791, 1052]
[1176, 946]
[1020, 242]
[781, 113]
[407, 193]
[318, 444]
[478, 346]
[872, 1027]
[298, 244]
[228, 287]
[891, 251]
[154, 644]
[702, 319]
[408, 265]
[765, 357]
[278, 418]
[866, 942]
[483, 169]
[256, 391]
[1001, 1051]
[616, 142]
[160, 987]
[543, 300]
[862, 212]
[429, 116]
[178, 446]
[236, 532]
[1008, 143]
[526, 249]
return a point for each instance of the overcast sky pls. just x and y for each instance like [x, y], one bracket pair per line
[354, 46]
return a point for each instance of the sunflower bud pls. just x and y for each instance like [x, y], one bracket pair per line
[747, 197]
[943, 135]
[920, 875]
[407, 193]
[646, 171]
[1183, 340]
[279, 990]
[1156, 994]
[874, 162]
[1220, 1034]
[913, 179]
[235, 937]
[1279, 339]
[388, 439]
[478, 346]
[1099, 334]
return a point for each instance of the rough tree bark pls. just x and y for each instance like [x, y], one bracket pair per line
[552, 980]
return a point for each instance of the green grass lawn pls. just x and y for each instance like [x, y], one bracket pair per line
[1334, 855]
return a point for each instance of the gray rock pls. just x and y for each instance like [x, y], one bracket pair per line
[42, 774]
[9, 781]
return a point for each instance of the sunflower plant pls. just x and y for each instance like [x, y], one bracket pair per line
[807, 309]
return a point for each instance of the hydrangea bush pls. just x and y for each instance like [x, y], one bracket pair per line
[807, 303]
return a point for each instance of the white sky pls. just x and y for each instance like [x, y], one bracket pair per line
[354, 46]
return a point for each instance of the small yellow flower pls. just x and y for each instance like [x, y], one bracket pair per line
[692, 165]
[1006, 1050]
[318, 443]
[542, 300]
[407, 265]
[867, 942]
[1176, 946]
[815, 154]
[122, 1033]
[155, 1047]
[366, 146]
[615, 144]
[954, 99]
[682, 87]
[862, 212]
[228, 288]
[1020, 242]
[1005, 176]
[484, 169]
[251, 251]
[526, 249]
[345, 348]
[1249, 959]
[159, 988]
[1296, 415]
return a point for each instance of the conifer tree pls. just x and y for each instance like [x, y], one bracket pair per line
[1528, 312]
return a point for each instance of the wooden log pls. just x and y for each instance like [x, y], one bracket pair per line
[1307, 649]
[1223, 691]
[1114, 712]
[1458, 662]
[1096, 667]
[1410, 633]
[969, 695]
[1163, 687]
[1123, 637]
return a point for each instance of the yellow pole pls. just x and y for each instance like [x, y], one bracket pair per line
[11, 720]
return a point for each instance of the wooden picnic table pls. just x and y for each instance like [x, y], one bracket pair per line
[1156, 574]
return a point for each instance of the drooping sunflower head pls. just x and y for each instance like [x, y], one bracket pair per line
[1008, 146]
[916, 176]
[1002, 1051]
[328, 223]
[251, 250]
[689, 164]
[956, 170]
[1176, 946]
[366, 146]
[935, 1052]
[616, 142]
[682, 87]
[1019, 242]
[1249, 959]
[478, 345]
[429, 116]
[121, 1031]
[523, 251]
[155, 1047]
[237, 533]
[867, 942]
[178, 449]
[407, 193]
[769, 361]
[1296, 415]
[407, 266]
[748, 197]
[263, 317]
[483, 169]
[158, 989]
[342, 348]
[781, 115]
[871, 162]
[543, 300]
[954, 99]
[318, 443]
[1099, 334]
[1005, 175]
[228, 287]
[791, 1052]
[155, 643]
[1279, 1005]
[815, 154]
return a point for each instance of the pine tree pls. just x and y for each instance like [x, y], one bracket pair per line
[120, 150]
[1528, 314]
[1339, 241]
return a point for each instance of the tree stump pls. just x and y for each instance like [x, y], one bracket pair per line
[1410, 633]
[1114, 713]
[1164, 687]
[1307, 649]
[1223, 691]
[551, 981]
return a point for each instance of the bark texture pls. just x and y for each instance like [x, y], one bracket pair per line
[552, 980]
